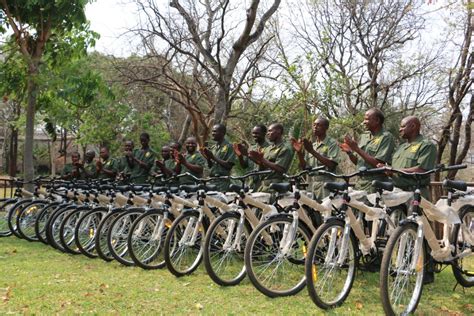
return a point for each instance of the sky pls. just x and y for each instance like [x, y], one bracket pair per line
[111, 19]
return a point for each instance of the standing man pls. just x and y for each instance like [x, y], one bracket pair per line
[417, 154]
[90, 171]
[324, 152]
[125, 163]
[167, 166]
[276, 157]
[375, 146]
[106, 167]
[74, 169]
[142, 160]
[258, 134]
[220, 157]
[193, 162]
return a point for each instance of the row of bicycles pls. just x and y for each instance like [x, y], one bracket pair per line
[283, 241]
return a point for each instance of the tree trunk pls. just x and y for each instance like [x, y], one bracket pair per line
[32, 91]
[185, 129]
[13, 152]
[222, 105]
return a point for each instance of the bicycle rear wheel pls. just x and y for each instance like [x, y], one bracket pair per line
[274, 258]
[13, 213]
[67, 228]
[402, 270]
[330, 265]
[463, 268]
[42, 220]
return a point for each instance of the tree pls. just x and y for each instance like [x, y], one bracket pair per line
[217, 51]
[35, 24]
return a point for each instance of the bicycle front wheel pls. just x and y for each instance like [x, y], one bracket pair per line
[401, 272]
[330, 265]
[274, 256]
[224, 249]
[147, 238]
[463, 268]
[184, 244]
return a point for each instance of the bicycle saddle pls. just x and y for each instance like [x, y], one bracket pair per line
[281, 187]
[336, 186]
[455, 184]
[381, 185]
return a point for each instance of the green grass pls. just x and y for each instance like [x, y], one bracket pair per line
[35, 279]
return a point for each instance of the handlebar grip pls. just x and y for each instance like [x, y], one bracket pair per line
[455, 167]
[374, 171]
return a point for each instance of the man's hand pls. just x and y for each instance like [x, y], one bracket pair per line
[350, 142]
[98, 165]
[297, 145]
[345, 147]
[159, 163]
[308, 145]
[256, 156]
[240, 149]
[207, 153]
[179, 158]
[387, 172]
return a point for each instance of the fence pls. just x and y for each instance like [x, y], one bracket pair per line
[6, 187]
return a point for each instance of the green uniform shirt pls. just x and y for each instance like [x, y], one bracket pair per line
[138, 174]
[195, 159]
[329, 149]
[224, 152]
[380, 146]
[419, 153]
[255, 182]
[169, 164]
[91, 170]
[68, 170]
[110, 165]
[280, 154]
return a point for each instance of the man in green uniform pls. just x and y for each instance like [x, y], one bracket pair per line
[74, 169]
[375, 146]
[125, 164]
[141, 161]
[417, 154]
[166, 167]
[276, 157]
[220, 157]
[106, 167]
[193, 162]
[241, 151]
[324, 152]
[90, 171]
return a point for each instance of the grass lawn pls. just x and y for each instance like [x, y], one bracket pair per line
[35, 279]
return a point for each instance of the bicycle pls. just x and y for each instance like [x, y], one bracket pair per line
[406, 254]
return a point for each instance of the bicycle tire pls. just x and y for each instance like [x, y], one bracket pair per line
[13, 214]
[117, 236]
[26, 219]
[86, 230]
[181, 257]
[4, 211]
[258, 250]
[463, 268]
[401, 245]
[101, 245]
[329, 278]
[42, 220]
[147, 238]
[67, 229]
[224, 263]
